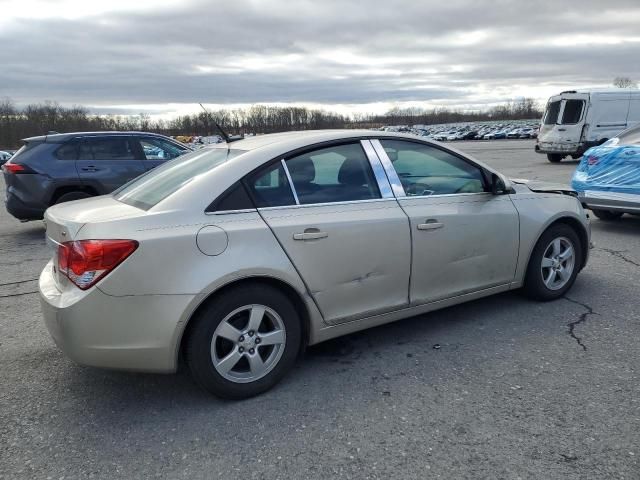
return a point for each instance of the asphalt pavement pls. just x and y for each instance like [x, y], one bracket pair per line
[500, 388]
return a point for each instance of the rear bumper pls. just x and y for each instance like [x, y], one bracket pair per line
[20, 209]
[138, 332]
[619, 202]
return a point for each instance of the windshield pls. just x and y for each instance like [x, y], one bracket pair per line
[551, 115]
[154, 186]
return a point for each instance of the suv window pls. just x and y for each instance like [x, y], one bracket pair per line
[68, 151]
[334, 174]
[426, 170]
[158, 149]
[269, 187]
[107, 148]
[551, 115]
[572, 111]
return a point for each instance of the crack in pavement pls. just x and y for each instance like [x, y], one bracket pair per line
[18, 282]
[619, 254]
[581, 319]
[18, 294]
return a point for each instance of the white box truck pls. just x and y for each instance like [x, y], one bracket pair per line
[577, 120]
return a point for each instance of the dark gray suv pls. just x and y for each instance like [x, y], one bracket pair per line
[69, 166]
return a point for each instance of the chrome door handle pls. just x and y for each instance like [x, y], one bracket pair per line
[430, 225]
[310, 234]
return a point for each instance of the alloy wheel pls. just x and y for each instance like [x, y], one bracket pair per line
[558, 262]
[248, 343]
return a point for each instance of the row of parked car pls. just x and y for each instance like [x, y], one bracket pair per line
[6, 155]
[470, 131]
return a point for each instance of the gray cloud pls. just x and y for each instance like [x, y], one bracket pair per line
[323, 52]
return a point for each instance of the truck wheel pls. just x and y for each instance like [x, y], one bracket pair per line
[607, 215]
[554, 157]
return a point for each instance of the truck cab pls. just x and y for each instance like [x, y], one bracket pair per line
[575, 121]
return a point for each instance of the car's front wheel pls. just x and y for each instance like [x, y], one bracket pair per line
[554, 263]
[244, 341]
[607, 214]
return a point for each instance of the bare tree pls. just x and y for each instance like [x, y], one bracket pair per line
[624, 82]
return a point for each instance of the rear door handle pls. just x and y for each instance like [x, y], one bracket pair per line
[431, 224]
[90, 168]
[310, 234]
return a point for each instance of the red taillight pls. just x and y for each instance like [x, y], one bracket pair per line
[84, 262]
[14, 168]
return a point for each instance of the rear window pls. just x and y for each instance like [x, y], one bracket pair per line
[551, 115]
[572, 111]
[157, 184]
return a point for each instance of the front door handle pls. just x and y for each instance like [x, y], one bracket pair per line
[431, 224]
[310, 234]
[90, 168]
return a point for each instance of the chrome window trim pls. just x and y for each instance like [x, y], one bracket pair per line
[227, 212]
[392, 175]
[440, 195]
[327, 204]
[291, 185]
[378, 170]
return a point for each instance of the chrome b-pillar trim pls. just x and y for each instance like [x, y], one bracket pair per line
[392, 175]
[378, 170]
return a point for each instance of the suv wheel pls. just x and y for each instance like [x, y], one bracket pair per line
[607, 214]
[69, 196]
[244, 342]
[554, 263]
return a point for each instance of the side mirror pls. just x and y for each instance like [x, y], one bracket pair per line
[500, 185]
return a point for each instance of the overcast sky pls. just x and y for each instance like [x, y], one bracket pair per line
[164, 56]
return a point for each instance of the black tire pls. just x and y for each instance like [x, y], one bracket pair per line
[554, 157]
[198, 347]
[70, 196]
[607, 215]
[534, 286]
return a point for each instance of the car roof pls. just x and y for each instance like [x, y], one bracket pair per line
[63, 137]
[293, 140]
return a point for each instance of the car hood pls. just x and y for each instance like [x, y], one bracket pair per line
[546, 187]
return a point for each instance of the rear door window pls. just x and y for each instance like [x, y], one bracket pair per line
[270, 187]
[572, 111]
[340, 173]
[107, 148]
[551, 115]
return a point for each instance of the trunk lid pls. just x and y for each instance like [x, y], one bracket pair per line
[65, 220]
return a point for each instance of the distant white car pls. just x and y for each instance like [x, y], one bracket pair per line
[238, 256]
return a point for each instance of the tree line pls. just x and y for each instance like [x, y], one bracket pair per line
[35, 119]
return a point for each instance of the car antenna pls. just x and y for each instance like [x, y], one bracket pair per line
[226, 136]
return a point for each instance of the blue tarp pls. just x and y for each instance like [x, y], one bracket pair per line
[609, 168]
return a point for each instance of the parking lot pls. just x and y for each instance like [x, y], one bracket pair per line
[503, 387]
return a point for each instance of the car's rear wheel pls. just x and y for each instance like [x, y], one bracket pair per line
[70, 196]
[244, 341]
[607, 214]
[554, 264]
[554, 157]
